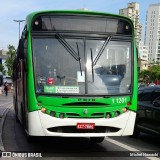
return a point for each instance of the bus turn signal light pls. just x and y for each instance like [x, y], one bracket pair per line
[128, 103]
[39, 104]
[108, 115]
[43, 110]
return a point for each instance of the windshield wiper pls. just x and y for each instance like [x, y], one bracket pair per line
[65, 43]
[92, 65]
[67, 46]
[79, 59]
[101, 50]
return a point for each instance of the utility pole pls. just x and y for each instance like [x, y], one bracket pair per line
[19, 22]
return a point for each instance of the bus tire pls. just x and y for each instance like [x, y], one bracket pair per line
[30, 139]
[16, 114]
[17, 120]
[96, 139]
[136, 133]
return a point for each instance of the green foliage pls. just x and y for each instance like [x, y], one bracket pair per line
[9, 61]
[151, 74]
[2, 69]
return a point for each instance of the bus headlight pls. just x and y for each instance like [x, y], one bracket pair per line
[116, 113]
[61, 115]
[108, 115]
[39, 104]
[52, 113]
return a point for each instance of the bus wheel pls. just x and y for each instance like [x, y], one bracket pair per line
[30, 139]
[17, 120]
[136, 133]
[16, 114]
[96, 139]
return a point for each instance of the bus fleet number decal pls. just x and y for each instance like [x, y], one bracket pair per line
[119, 100]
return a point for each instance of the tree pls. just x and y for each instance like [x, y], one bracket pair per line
[155, 72]
[9, 61]
[144, 76]
[152, 74]
[2, 69]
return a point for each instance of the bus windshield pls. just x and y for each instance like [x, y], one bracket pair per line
[82, 65]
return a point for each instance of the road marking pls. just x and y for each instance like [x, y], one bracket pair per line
[128, 147]
[5, 103]
[2, 123]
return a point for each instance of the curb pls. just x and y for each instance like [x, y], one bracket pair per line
[1, 127]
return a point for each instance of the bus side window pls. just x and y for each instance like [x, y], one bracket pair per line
[20, 52]
[19, 71]
[14, 75]
[24, 32]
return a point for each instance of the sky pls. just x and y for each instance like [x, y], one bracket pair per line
[18, 10]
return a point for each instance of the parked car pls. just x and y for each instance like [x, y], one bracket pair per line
[141, 85]
[148, 111]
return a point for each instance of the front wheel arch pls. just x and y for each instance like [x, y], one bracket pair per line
[96, 139]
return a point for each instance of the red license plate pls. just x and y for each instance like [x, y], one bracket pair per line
[85, 125]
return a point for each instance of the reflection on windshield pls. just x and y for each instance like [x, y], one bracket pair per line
[99, 67]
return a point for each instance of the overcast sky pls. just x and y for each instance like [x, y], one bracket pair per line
[18, 10]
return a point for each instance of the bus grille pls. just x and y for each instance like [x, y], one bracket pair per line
[76, 115]
[72, 129]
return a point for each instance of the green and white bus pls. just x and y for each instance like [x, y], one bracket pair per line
[75, 75]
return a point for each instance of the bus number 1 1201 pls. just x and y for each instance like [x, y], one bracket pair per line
[119, 100]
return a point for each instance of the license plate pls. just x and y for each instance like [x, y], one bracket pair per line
[85, 125]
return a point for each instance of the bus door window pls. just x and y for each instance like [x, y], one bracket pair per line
[125, 69]
[95, 65]
[110, 67]
[19, 72]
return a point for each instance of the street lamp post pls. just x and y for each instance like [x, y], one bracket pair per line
[19, 22]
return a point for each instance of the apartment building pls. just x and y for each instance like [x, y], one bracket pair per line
[6, 77]
[143, 56]
[152, 32]
[132, 11]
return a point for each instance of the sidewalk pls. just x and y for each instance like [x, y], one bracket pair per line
[6, 102]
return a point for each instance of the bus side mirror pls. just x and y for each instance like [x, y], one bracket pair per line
[137, 53]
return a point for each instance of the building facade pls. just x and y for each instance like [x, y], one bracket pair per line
[152, 33]
[143, 56]
[4, 77]
[132, 11]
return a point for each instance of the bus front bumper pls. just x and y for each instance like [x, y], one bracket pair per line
[40, 124]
